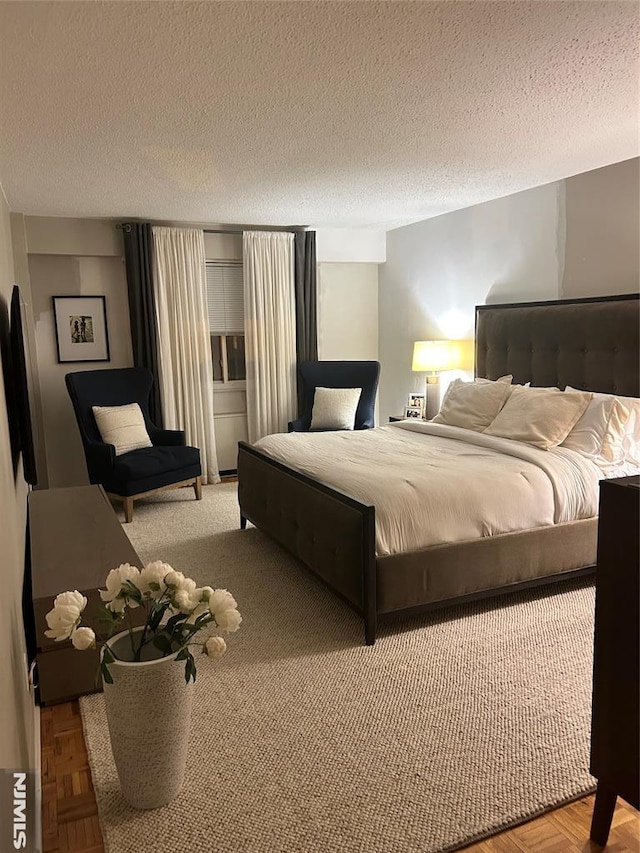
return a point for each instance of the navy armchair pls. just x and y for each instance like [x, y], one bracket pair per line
[338, 374]
[169, 463]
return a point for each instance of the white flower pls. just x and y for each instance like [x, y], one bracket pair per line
[182, 601]
[114, 595]
[151, 580]
[189, 586]
[71, 599]
[196, 613]
[229, 620]
[214, 647]
[185, 597]
[220, 600]
[83, 638]
[205, 593]
[174, 579]
[65, 615]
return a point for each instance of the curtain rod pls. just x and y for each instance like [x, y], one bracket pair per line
[271, 230]
[126, 226]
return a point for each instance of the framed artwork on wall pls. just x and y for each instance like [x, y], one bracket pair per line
[81, 328]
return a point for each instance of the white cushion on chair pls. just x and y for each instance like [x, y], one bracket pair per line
[335, 408]
[122, 426]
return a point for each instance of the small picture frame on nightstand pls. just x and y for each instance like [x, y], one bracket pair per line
[416, 401]
[413, 412]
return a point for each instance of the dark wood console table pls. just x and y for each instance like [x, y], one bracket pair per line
[75, 539]
[615, 727]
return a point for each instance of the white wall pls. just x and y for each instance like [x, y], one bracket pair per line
[351, 245]
[18, 742]
[347, 311]
[56, 235]
[348, 261]
[437, 271]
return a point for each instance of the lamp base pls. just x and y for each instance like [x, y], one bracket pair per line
[432, 397]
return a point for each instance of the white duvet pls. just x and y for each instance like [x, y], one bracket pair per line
[433, 484]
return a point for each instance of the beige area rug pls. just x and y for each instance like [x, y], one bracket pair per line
[304, 740]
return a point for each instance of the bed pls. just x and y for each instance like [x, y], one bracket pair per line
[589, 344]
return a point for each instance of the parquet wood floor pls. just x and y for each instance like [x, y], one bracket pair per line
[70, 815]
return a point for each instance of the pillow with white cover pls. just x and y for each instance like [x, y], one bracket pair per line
[472, 405]
[482, 381]
[539, 416]
[631, 440]
[122, 426]
[335, 408]
[600, 431]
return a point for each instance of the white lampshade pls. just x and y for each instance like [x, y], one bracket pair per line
[437, 356]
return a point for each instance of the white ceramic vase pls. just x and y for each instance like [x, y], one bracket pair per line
[149, 716]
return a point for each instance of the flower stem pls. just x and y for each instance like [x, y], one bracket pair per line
[138, 653]
[131, 637]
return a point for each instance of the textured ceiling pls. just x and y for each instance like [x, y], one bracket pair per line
[321, 113]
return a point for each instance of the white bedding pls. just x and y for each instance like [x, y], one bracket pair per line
[434, 484]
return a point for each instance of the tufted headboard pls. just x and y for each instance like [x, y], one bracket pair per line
[592, 344]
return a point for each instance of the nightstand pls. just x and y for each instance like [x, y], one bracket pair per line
[615, 721]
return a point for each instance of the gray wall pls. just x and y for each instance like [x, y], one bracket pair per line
[72, 275]
[577, 237]
[438, 270]
[602, 253]
[18, 739]
[68, 257]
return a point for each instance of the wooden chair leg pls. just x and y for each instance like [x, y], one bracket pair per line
[197, 488]
[127, 504]
[602, 814]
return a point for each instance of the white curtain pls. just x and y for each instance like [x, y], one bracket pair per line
[184, 345]
[270, 331]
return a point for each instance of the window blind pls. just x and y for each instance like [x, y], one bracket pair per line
[225, 298]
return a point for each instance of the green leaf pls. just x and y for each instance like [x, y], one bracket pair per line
[132, 591]
[108, 617]
[190, 668]
[157, 612]
[188, 630]
[161, 641]
[107, 654]
[175, 620]
[182, 654]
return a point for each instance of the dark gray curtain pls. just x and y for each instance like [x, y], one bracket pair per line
[138, 254]
[306, 300]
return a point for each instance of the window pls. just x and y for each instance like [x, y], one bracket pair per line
[225, 300]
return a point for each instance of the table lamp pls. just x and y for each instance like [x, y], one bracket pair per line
[433, 357]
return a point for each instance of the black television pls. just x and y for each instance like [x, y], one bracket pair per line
[17, 393]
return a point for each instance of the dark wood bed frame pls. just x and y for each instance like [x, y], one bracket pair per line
[591, 344]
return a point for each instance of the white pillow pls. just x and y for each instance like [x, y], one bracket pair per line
[472, 405]
[539, 416]
[481, 381]
[335, 408]
[600, 430]
[122, 426]
[631, 439]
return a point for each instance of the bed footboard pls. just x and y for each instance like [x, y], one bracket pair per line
[330, 532]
